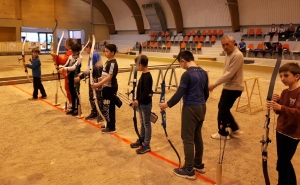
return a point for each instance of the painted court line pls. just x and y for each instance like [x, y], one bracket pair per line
[121, 138]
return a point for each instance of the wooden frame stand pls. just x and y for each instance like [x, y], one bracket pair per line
[249, 96]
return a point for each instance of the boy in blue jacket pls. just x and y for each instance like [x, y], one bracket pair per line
[36, 74]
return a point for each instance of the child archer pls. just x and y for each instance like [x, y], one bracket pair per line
[144, 104]
[36, 73]
[287, 106]
[72, 67]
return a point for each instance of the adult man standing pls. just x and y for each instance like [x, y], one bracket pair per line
[233, 80]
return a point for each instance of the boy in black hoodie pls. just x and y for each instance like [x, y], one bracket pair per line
[143, 103]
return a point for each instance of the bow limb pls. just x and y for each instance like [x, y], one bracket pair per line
[23, 59]
[163, 112]
[265, 138]
[92, 81]
[56, 24]
[56, 66]
[138, 61]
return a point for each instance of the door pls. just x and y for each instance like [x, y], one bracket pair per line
[45, 40]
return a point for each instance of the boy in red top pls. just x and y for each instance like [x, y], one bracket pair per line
[62, 61]
[287, 106]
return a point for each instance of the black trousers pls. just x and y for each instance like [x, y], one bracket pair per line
[225, 118]
[286, 148]
[72, 89]
[109, 106]
[37, 85]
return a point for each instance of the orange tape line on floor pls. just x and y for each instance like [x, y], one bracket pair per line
[121, 138]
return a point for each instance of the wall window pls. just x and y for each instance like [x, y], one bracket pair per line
[31, 36]
[75, 34]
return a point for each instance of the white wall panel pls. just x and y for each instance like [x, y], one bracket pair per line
[121, 14]
[266, 12]
[204, 13]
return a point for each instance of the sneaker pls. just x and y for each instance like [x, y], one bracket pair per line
[43, 97]
[31, 98]
[75, 113]
[143, 150]
[91, 116]
[218, 136]
[185, 173]
[107, 130]
[199, 168]
[237, 133]
[102, 126]
[70, 112]
[135, 144]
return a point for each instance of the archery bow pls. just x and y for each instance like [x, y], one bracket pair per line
[77, 84]
[58, 74]
[23, 58]
[265, 139]
[138, 61]
[92, 81]
[163, 112]
[52, 52]
[56, 24]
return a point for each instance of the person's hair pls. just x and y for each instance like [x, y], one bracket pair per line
[281, 25]
[144, 60]
[242, 39]
[231, 39]
[273, 24]
[36, 50]
[70, 42]
[89, 44]
[76, 47]
[111, 48]
[291, 67]
[186, 55]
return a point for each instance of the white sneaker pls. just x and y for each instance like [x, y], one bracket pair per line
[237, 133]
[218, 136]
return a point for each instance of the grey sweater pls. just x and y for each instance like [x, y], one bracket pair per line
[233, 77]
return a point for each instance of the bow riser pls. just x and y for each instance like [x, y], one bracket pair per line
[265, 138]
[163, 112]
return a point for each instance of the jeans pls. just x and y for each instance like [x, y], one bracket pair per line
[146, 130]
[286, 148]
[225, 117]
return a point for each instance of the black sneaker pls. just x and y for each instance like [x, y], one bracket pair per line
[102, 126]
[70, 112]
[107, 130]
[185, 173]
[75, 113]
[143, 150]
[43, 97]
[91, 116]
[199, 168]
[135, 144]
